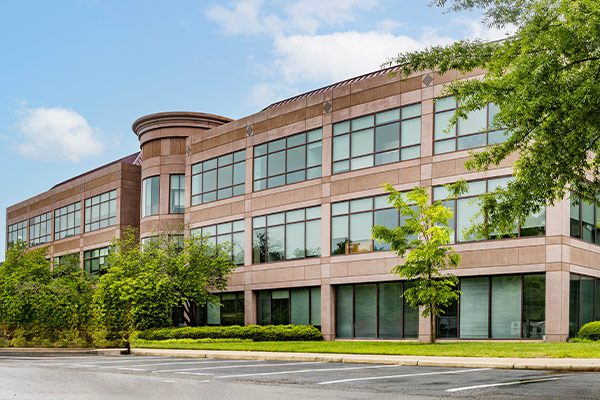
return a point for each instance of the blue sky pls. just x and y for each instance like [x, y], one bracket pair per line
[74, 74]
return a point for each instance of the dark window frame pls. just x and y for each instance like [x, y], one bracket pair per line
[289, 298]
[285, 150]
[178, 192]
[456, 136]
[40, 220]
[88, 257]
[68, 231]
[143, 198]
[89, 205]
[284, 224]
[198, 170]
[13, 231]
[216, 235]
[374, 127]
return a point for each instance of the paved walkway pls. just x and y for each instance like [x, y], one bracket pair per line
[553, 364]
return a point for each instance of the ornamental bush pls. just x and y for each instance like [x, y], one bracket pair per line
[590, 331]
[256, 333]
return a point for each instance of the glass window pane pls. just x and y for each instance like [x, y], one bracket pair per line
[313, 154]
[294, 216]
[341, 166]
[341, 147]
[495, 137]
[275, 243]
[225, 176]
[467, 217]
[476, 121]
[264, 307]
[387, 157]
[276, 219]
[586, 311]
[387, 116]
[445, 103]
[411, 111]
[362, 142]
[339, 235]
[276, 163]
[315, 306]
[300, 306]
[506, 307]
[442, 124]
[360, 232]
[313, 238]
[239, 173]
[313, 212]
[362, 122]
[260, 150]
[474, 302]
[388, 218]
[294, 236]
[341, 127]
[276, 145]
[209, 181]
[259, 245]
[213, 315]
[295, 158]
[472, 141]
[410, 152]
[411, 132]
[365, 309]
[344, 312]
[444, 146]
[313, 173]
[362, 162]
[534, 309]
[387, 137]
[276, 181]
[390, 310]
[361, 204]
[260, 167]
[340, 208]
[296, 140]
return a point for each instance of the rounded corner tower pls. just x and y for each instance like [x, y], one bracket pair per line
[163, 142]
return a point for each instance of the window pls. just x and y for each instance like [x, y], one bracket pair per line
[382, 138]
[219, 178]
[585, 219]
[94, 261]
[466, 211]
[150, 196]
[40, 229]
[287, 235]
[101, 211]
[288, 160]
[67, 221]
[228, 311]
[353, 220]
[177, 194]
[300, 306]
[375, 310]
[17, 232]
[584, 302]
[227, 232]
[474, 131]
[502, 307]
[71, 259]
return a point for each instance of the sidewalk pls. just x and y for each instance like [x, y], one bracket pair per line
[55, 352]
[554, 364]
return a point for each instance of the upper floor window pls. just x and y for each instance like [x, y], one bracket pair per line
[100, 211]
[95, 261]
[227, 232]
[177, 194]
[288, 160]
[150, 196]
[352, 222]
[585, 219]
[219, 178]
[40, 229]
[67, 221]
[466, 211]
[17, 232]
[474, 131]
[287, 235]
[382, 138]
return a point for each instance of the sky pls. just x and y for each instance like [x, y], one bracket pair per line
[75, 74]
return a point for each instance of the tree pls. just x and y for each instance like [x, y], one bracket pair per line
[144, 284]
[422, 240]
[545, 80]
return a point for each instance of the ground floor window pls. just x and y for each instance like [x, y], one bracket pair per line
[228, 311]
[584, 302]
[375, 310]
[498, 307]
[299, 306]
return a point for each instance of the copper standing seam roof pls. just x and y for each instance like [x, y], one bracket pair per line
[335, 85]
[134, 159]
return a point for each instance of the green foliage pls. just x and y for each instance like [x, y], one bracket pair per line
[256, 333]
[143, 284]
[40, 305]
[422, 240]
[544, 78]
[590, 331]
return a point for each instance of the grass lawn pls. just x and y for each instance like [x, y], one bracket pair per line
[456, 349]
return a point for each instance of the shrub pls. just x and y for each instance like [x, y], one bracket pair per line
[256, 333]
[590, 331]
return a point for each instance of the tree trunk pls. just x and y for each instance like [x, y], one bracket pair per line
[432, 323]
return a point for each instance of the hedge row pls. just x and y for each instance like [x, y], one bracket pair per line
[256, 333]
[590, 331]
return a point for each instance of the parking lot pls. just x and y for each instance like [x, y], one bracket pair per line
[90, 377]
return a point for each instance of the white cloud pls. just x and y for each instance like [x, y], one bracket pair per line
[478, 30]
[387, 25]
[56, 133]
[246, 17]
[341, 55]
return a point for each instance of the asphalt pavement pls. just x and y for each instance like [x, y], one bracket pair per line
[144, 377]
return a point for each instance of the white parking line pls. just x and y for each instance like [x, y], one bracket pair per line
[183, 371]
[299, 371]
[183, 362]
[374, 378]
[524, 381]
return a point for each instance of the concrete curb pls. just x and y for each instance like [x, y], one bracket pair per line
[553, 364]
[51, 352]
